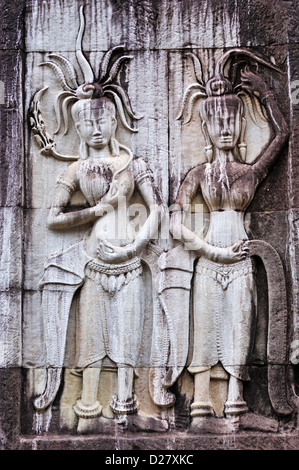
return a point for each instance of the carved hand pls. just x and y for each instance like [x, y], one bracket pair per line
[115, 254]
[238, 251]
[231, 254]
[101, 208]
[253, 83]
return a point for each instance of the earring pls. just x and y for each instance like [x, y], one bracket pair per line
[242, 151]
[242, 145]
[114, 147]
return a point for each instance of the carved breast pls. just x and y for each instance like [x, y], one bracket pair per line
[94, 179]
[228, 186]
[95, 176]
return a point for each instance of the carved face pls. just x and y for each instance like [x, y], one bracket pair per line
[222, 116]
[96, 126]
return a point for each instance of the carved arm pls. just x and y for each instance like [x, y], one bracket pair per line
[255, 84]
[58, 219]
[149, 230]
[191, 241]
[143, 180]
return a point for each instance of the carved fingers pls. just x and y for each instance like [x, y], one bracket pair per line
[102, 208]
[253, 83]
[241, 249]
[107, 252]
[232, 254]
[110, 253]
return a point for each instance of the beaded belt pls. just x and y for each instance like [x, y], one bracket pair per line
[112, 277]
[114, 269]
[225, 273]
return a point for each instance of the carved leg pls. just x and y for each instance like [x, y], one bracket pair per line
[125, 403]
[202, 405]
[125, 406]
[88, 405]
[235, 404]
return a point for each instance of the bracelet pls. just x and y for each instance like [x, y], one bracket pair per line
[97, 211]
[132, 252]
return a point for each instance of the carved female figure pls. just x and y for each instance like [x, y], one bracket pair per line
[107, 265]
[224, 294]
[111, 299]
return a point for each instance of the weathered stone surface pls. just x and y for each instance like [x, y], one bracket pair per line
[10, 404]
[11, 24]
[143, 24]
[10, 338]
[11, 248]
[255, 31]
[41, 242]
[11, 158]
[178, 442]
[158, 35]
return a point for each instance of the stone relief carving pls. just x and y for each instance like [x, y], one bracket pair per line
[106, 265]
[104, 271]
[224, 292]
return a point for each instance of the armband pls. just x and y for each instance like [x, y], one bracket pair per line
[147, 174]
[68, 185]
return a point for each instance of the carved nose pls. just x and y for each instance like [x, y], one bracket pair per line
[225, 132]
[97, 129]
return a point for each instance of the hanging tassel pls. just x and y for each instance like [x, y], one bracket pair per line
[243, 151]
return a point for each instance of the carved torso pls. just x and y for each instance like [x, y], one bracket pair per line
[227, 189]
[227, 186]
[94, 180]
[95, 177]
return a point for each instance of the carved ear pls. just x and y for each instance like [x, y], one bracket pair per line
[114, 125]
[205, 133]
[114, 147]
[77, 126]
[208, 147]
[83, 150]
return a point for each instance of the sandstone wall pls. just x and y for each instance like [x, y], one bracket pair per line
[157, 34]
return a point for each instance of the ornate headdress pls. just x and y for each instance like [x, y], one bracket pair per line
[226, 81]
[105, 86]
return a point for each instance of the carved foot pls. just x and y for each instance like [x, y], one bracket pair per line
[127, 407]
[213, 425]
[87, 411]
[255, 422]
[138, 423]
[202, 408]
[99, 425]
[235, 408]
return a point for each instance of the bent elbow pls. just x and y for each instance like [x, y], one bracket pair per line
[53, 222]
[51, 225]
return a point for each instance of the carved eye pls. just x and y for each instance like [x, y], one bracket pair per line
[218, 88]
